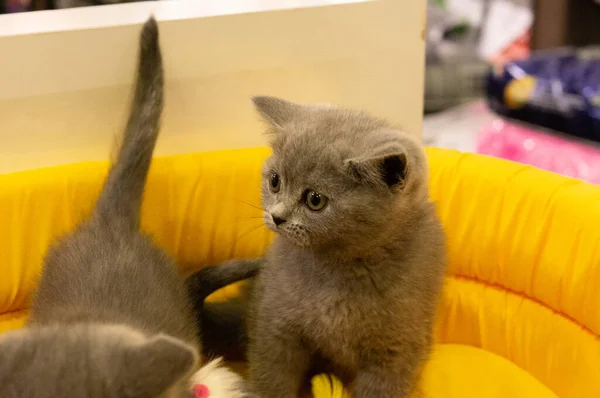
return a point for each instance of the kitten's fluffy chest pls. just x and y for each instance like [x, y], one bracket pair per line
[336, 306]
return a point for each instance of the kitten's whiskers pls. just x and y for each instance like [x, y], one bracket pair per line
[245, 234]
[251, 205]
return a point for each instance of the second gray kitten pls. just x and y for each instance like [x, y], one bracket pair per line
[111, 316]
[352, 281]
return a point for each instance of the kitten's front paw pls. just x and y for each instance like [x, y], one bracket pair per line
[214, 380]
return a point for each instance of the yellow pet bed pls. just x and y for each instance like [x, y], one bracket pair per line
[521, 311]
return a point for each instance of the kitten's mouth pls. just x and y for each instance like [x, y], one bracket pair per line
[292, 231]
[268, 221]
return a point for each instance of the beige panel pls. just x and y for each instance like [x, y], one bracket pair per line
[64, 93]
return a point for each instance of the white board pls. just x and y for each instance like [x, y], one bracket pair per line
[66, 75]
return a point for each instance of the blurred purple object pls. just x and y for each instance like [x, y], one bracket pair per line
[521, 144]
[16, 6]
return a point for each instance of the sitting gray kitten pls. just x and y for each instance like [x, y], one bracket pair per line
[352, 281]
[111, 316]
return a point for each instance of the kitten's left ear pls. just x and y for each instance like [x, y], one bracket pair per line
[390, 169]
[152, 367]
[276, 111]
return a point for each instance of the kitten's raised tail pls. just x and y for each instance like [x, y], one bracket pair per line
[121, 196]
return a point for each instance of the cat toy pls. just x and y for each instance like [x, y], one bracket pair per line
[216, 381]
[323, 386]
[328, 386]
[201, 391]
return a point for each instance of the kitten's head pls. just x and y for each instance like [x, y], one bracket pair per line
[91, 361]
[337, 176]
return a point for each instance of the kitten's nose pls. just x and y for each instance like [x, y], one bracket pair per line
[278, 220]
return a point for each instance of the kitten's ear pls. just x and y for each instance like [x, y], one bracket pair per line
[151, 368]
[390, 169]
[276, 111]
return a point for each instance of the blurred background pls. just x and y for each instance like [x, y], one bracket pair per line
[517, 79]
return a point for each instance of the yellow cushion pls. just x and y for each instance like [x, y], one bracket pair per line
[524, 276]
[201, 208]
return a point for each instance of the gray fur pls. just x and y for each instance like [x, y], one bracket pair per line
[209, 279]
[352, 288]
[111, 316]
[222, 323]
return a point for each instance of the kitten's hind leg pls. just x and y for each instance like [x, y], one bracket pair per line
[383, 379]
[278, 365]
[224, 329]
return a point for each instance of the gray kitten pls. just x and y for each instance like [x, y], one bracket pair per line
[111, 316]
[352, 281]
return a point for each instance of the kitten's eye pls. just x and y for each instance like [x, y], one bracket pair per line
[315, 201]
[275, 182]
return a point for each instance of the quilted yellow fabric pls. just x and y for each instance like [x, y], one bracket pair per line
[520, 316]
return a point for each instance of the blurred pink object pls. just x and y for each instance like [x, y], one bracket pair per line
[524, 145]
